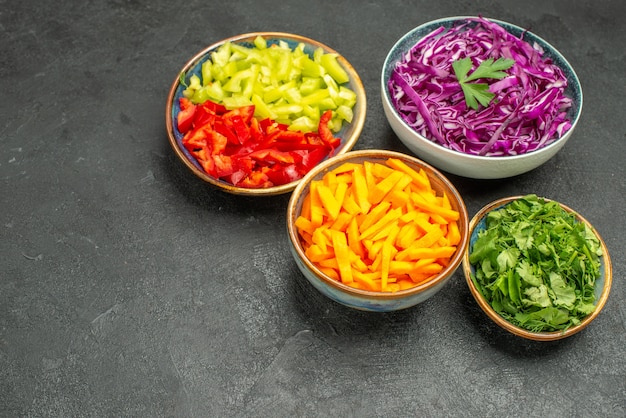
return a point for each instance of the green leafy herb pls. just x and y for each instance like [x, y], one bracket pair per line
[536, 264]
[181, 79]
[488, 69]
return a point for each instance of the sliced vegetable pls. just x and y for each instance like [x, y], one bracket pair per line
[185, 115]
[536, 265]
[436, 92]
[287, 85]
[360, 225]
[234, 146]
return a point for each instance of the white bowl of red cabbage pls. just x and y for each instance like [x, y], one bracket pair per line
[536, 267]
[480, 98]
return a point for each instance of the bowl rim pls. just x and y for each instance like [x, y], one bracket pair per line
[302, 188]
[514, 329]
[347, 143]
[548, 47]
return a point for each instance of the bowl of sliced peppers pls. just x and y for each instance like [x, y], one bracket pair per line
[252, 114]
[536, 267]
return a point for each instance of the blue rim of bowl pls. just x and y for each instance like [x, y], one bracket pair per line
[408, 40]
[194, 66]
[302, 189]
[602, 288]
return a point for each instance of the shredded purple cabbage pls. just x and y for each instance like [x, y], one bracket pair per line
[528, 112]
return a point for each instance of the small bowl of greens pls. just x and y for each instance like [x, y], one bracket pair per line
[480, 98]
[536, 267]
[253, 113]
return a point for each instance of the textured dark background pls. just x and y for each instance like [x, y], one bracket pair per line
[130, 288]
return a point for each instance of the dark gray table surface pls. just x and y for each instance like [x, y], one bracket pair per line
[128, 287]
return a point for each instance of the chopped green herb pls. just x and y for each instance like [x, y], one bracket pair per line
[537, 265]
[181, 79]
[479, 92]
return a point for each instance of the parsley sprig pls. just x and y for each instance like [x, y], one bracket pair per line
[488, 69]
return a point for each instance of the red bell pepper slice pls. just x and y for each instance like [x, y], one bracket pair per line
[324, 131]
[239, 121]
[218, 143]
[217, 108]
[238, 126]
[273, 155]
[197, 138]
[236, 177]
[284, 175]
[208, 165]
[312, 158]
[256, 133]
[236, 147]
[205, 116]
[185, 115]
[244, 163]
[293, 137]
[256, 180]
[246, 113]
[230, 135]
[223, 165]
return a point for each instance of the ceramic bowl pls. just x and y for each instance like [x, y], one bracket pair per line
[364, 299]
[459, 163]
[349, 133]
[602, 284]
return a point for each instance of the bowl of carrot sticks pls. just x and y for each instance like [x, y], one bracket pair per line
[377, 230]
